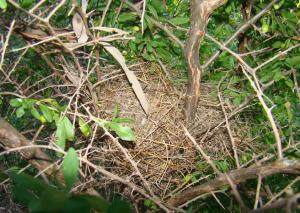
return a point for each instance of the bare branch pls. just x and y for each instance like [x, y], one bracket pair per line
[237, 176]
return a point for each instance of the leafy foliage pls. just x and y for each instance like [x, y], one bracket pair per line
[42, 197]
[49, 111]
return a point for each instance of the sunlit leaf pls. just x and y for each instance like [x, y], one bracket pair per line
[17, 102]
[124, 132]
[46, 112]
[20, 112]
[69, 129]
[65, 131]
[3, 4]
[35, 113]
[28, 103]
[85, 128]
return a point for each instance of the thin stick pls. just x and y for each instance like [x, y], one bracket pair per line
[229, 130]
[11, 28]
[255, 85]
[257, 192]
[242, 29]
[143, 15]
[204, 155]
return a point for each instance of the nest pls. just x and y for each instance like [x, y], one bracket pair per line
[162, 151]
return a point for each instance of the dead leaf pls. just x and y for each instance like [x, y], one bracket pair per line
[110, 30]
[297, 38]
[135, 84]
[79, 29]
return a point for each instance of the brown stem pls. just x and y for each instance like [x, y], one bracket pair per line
[200, 11]
[237, 176]
[10, 138]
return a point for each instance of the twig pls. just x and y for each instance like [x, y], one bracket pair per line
[257, 192]
[204, 155]
[157, 24]
[143, 15]
[255, 85]
[11, 28]
[242, 29]
[228, 128]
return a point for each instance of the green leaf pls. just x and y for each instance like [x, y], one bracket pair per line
[277, 76]
[20, 112]
[222, 165]
[60, 141]
[3, 4]
[293, 62]
[152, 11]
[65, 125]
[75, 204]
[164, 54]
[157, 5]
[22, 195]
[64, 131]
[84, 128]
[180, 20]
[29, 183]
[277, 44]
[237, 100]
[35, 113]
[125, 17]
[17, 102]
[148, 202]
[26, 3]
[70, 168]
[46, 112]
[187, 178]
[28, 103]
[119, 205]
[123, 120]
[148, 22]
[49, 201]
[124, 132]
[96, 202]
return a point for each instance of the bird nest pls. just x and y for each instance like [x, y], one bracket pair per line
[162, 151]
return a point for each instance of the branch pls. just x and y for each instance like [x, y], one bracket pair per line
[10, 138]
[241, 30]
[237, 176]
[157, 24]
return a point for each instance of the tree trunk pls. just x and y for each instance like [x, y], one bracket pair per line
[200, 11]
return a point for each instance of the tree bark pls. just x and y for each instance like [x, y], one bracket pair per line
[10, 138]
[200, 11]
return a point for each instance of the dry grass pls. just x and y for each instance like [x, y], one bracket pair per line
[163, 152]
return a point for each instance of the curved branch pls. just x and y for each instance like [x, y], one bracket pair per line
[237, 176]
